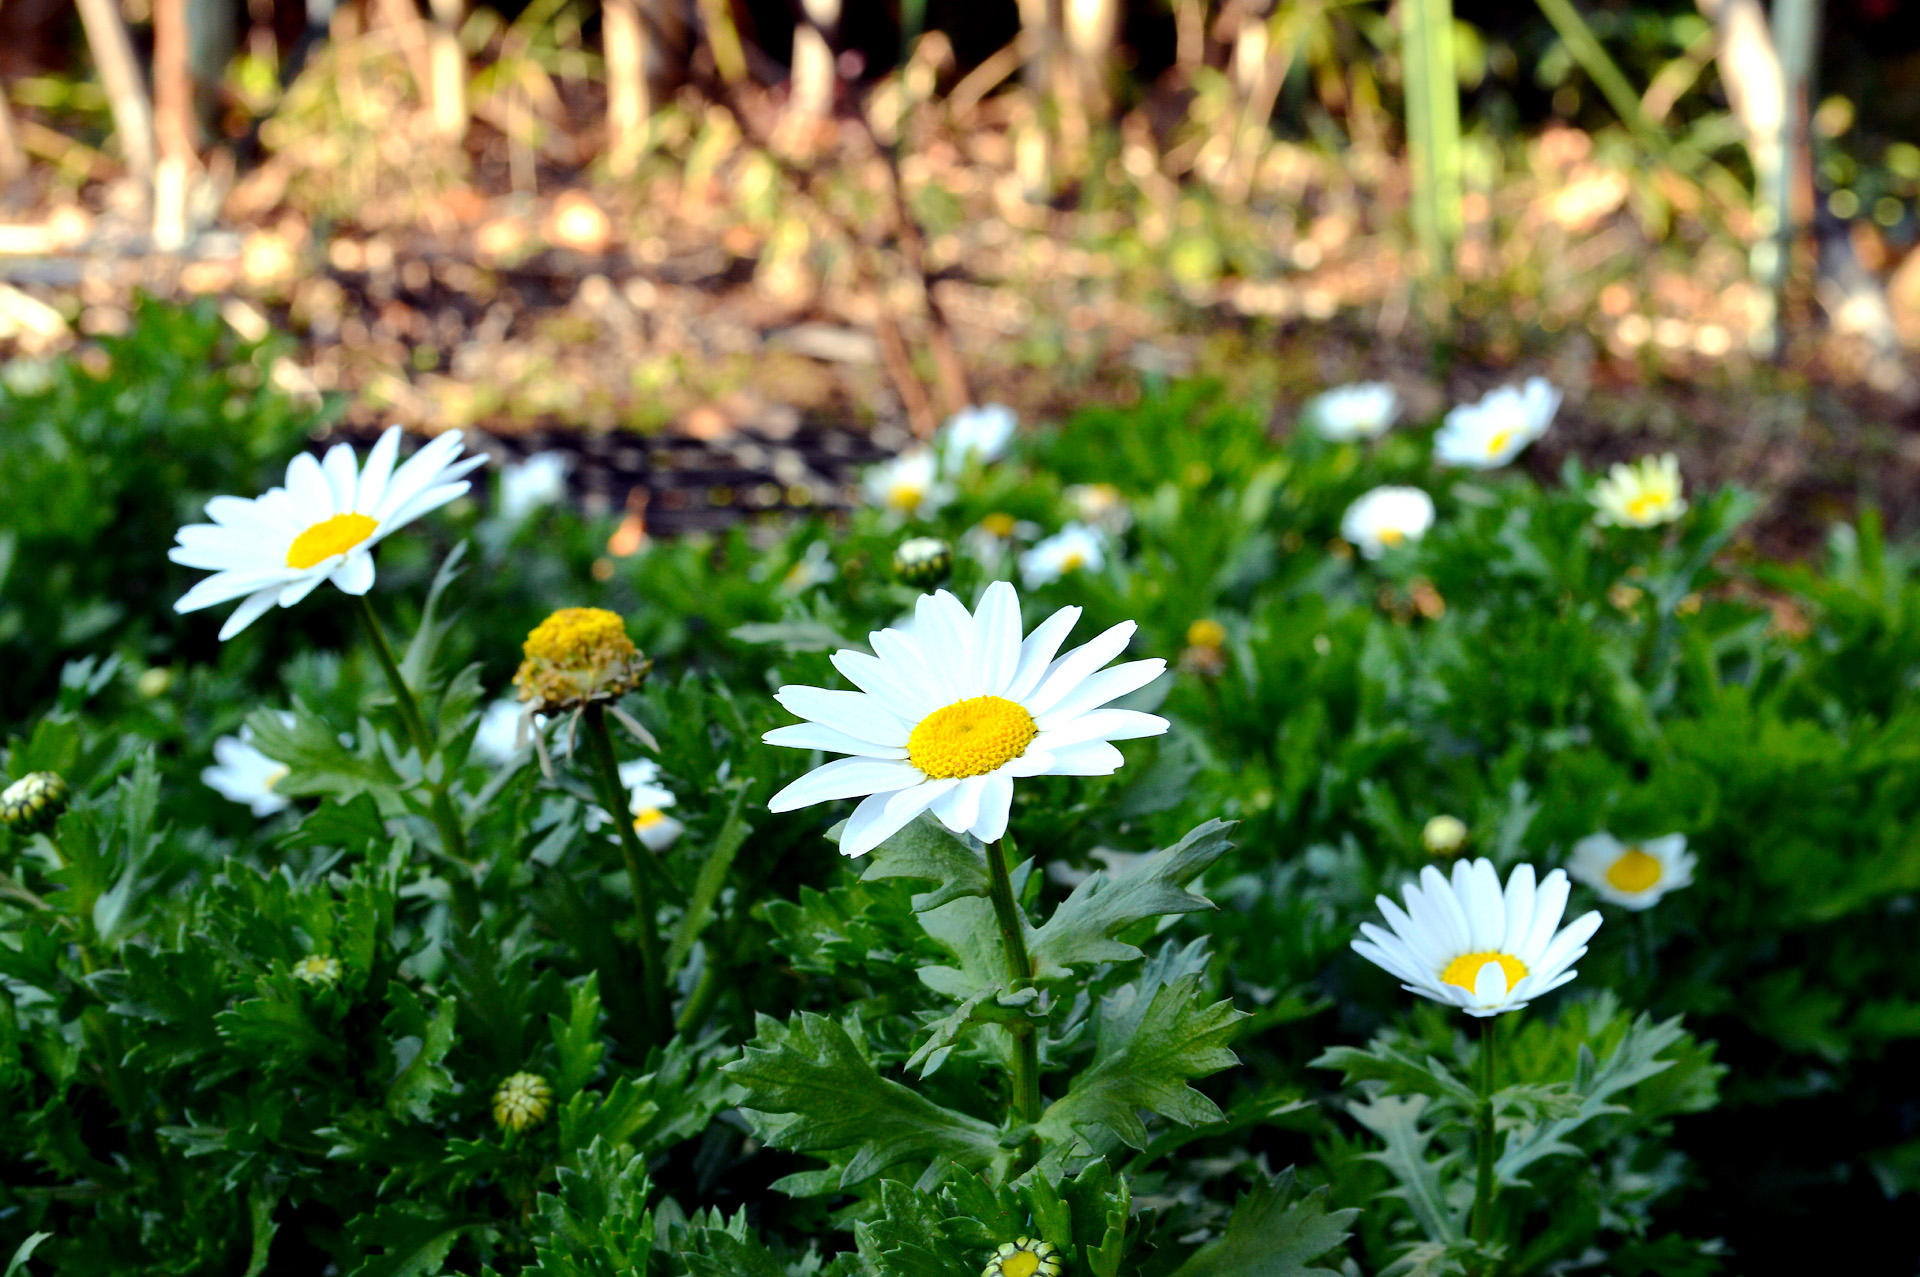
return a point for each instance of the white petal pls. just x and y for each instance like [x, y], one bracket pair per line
[820, 736]
[845, 778]
[959, 807]
[1088, 758]
[1102, 724]
[247, 613]
[871, 824]
[996, 801]
[231, 585]
[341, 474]
[378, 470]
[1037, 652]
[355, 576]
[1486, 911]
[1519, 907]
[299, 588]
[1549, 903]
[882, 679]
[1567, 947]
[313, 499]
[996, 637]
[854, 713]
[1066, 673]
[1101, 687]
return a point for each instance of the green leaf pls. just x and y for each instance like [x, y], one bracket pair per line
[1086, 926]
[809, 1089]
[597, 1223]
[1143, 1058]
[1636, 1059]
[413, 1241]
[1272, 1235]
[24, 1252]
[576, 1039]
[419, 1044]
[1396, 1120]
[713, 877]
[1381, 1061]
[925, 849]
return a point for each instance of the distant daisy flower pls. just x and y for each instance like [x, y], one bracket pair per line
[1101, 505]
[813, 567]
[317, 969]
[498, 737]
[1363, 410]
[1634, 875]
[647, 801]
[909, 485]
[1642, 495]
[1071, 549]
[540, 480]
[1466, 943]
[1387, 518]
[978, 434]
[243, 774]
[322, 526]
[1484, 435]
[1024, 1257]
[951, 714]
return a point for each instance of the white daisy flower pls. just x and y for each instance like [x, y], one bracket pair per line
[497, 739]
[980, 434]
[909, 485]
[322, 526]
[647, 801]
[951, 714]
[1072, 548]
[1642, 495]
[1387, 518]
[1634, 875]
[1363, 410]
[243, 774]
[1466, 943]
[1101, 505]
[540, 480]
[1484, 435]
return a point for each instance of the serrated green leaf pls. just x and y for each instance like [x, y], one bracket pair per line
[1381, 1060]
[420, 1042]
[411, 1240]
[576, 1039]
[1086, 926]
[1270, 1234]
[1636, 1059]
[1396, 1120]
[926, 850]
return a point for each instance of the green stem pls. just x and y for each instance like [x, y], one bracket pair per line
[613, 796]
[1023, 1101]
[453, 840]
[1484, 1187]
[700, 1003]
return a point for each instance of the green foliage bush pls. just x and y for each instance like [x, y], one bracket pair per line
[231, 1044]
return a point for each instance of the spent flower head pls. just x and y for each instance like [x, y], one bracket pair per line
[32, 803]
[1024, 1257]
[321, 526]
[577, 656]
[952, 711]
[522, 1102]
[1465, 942]
[1645, 494]
[1633, 875]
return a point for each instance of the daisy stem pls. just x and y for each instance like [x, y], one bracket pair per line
[1024, 1082]
[1483, 1183]
[613, 796]
[453, 840]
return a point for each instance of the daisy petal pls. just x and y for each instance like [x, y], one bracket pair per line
[845, 778]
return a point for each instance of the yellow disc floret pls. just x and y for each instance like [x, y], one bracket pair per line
[1465, 969]
[577, 655]
[1635, 871]
[330, 537]
[971, 737]
[1498, 442]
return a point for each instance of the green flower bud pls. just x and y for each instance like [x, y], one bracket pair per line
[522, 1102]
[1444, 835]
[923, 561]
[32, 803]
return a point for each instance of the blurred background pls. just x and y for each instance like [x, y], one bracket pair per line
[728, 248]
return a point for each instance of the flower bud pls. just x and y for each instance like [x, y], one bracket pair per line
[576, 656]
[522, 1102]
[1444, 835]
[317, 969]
[32, 803]
[1024, 1257]
[923, 562]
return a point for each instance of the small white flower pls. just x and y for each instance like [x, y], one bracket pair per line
[951, 714]
[1635, 875]
[243, 774]
[1071, 549]
[1387, 518]
[540, 480]
[1642, 495]
[497, 739]
[813, 567]
[1361, 411]
[909, 485]
[1100, 505]
[647, 801]
[1468, 944]
[977, 434]
[1481, 436]
[322, 526]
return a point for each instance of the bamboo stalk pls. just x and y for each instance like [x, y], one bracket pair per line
[1433, 128]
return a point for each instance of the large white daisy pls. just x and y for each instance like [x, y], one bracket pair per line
[322, 526]
[1466, 943]
[1635, 874]
[950, 713]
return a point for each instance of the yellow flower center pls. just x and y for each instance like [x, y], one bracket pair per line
[1206, 633]
[330, 537]
[905, 496]
[1635, 871]
[273, 778]
[647, 817]
[1465, 969]
[576, 636]
[1022, 1263]
[1644, 505]
[1072, 561]
[1497, 444]
[970, 737]
[999, 525]
[1390, 537]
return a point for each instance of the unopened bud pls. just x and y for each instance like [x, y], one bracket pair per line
[923, 561]
[32, 803]
[522, 1102]
[1444, 835]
